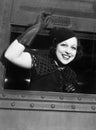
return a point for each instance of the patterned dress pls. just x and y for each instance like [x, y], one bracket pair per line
[47, 76]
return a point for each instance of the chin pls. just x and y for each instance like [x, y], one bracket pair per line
[65, 63]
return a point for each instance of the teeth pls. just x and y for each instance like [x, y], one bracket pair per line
[65, 56]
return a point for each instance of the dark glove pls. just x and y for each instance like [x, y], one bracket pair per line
[28, 36]
[70, 80]
[70, 88]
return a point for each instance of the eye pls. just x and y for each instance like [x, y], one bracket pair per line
[64, 45]
[74, 48]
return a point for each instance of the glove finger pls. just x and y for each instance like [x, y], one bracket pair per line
[70, 88]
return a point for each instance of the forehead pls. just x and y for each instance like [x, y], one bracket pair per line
[72, 41]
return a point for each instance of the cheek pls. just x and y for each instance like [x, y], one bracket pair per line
[60, 50]
[74, 53]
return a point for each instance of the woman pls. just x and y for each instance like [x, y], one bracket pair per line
[49, 71]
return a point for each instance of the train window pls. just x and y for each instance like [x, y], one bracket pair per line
[17, 78]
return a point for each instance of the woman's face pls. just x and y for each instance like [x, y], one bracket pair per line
[66, 50]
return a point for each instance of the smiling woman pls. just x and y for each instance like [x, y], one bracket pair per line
[66, 50]
[50, 70]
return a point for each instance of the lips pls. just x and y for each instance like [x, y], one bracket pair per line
[66, 57]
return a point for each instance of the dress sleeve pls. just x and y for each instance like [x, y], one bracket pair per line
[41, 61]
[33, 55]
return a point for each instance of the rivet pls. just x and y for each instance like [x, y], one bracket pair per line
[73, 106]
[61, 97]
[3, 95]
[22, 96]
[79, 98]
[52, 105]
[42, 96]
[93, 107]
[13, 104]
[32, 105]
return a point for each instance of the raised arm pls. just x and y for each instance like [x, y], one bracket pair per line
[15, 53]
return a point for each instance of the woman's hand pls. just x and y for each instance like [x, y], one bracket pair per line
[28, 36]
[70, 88]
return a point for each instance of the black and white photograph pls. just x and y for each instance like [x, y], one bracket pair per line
[47, 65]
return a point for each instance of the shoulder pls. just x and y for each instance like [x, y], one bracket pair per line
[39, 57]
[42, 62]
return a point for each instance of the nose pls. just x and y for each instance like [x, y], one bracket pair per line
[67, 51]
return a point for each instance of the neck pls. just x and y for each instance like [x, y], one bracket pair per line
[59, 67]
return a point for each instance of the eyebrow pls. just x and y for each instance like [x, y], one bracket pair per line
[67, 44]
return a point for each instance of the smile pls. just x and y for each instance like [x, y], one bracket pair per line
[66, 57]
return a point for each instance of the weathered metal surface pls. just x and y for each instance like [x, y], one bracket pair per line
[78, 15]
[45, 120]
[48, 101]
[5, 13]
[42, 110]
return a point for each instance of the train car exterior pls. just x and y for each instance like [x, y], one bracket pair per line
[27, 110]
